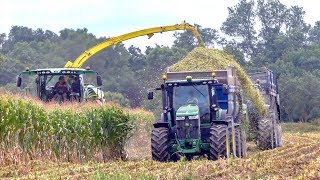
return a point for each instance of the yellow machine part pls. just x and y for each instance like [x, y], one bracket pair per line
[117, 39]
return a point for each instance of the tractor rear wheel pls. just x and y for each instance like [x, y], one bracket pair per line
[218, 139]
[160, 144]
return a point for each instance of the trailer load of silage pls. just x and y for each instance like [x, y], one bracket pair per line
[202, 59]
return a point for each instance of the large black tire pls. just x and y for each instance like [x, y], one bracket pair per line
[269, 129]
[265, 134]
[218, 138]
[160, 144]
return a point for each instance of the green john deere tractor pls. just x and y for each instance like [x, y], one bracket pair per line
[202, 116]
[79, 85]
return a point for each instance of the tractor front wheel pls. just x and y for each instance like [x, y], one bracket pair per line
[160, 144]
[218, 137]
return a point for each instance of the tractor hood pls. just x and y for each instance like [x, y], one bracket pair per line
[188, 110]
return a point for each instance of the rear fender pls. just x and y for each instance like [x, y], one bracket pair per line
[220, 122]
[161, 124]
[227, 121]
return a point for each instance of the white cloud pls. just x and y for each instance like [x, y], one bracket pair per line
[53, 15]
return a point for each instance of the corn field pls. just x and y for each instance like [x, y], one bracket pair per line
[76, 133]
[298, 159]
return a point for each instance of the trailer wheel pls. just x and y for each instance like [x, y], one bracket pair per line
[160, 144]
[218, 139]
[265, 134]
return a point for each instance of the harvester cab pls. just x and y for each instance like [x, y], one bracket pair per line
[64, 84]
[269, 129]
[201, 116]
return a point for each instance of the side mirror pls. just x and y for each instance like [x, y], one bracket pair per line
[19, 79]
[150, 95]
[99, 80]
[225, 89]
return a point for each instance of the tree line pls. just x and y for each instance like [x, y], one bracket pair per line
[258, 33]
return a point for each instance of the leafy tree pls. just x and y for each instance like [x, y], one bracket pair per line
[209, 36]
[25, 34]
[26, 54]
[137, 60]
[186, 40]
[272, 15]
[294, 19]
[240, 23]
[158, 60]
[2, 39]
[314, 34]
[299, 79]
[300, 97]
[3, 59]
[74, 42]
[9, 68]
[305, 59]
[21, 34]
[237, 54]
[117, 98]
[281, 30]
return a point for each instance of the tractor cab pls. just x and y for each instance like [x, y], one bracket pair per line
[62, 84]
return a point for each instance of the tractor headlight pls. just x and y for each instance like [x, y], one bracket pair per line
[194, 117]
[180, 118]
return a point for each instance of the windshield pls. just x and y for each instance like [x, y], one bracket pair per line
[183, 95]
[51, 80]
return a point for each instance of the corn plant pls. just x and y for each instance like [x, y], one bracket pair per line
[68, 133]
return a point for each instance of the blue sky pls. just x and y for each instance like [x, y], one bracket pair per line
[115, 17]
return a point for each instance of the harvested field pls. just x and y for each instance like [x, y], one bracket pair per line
[298, 159]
